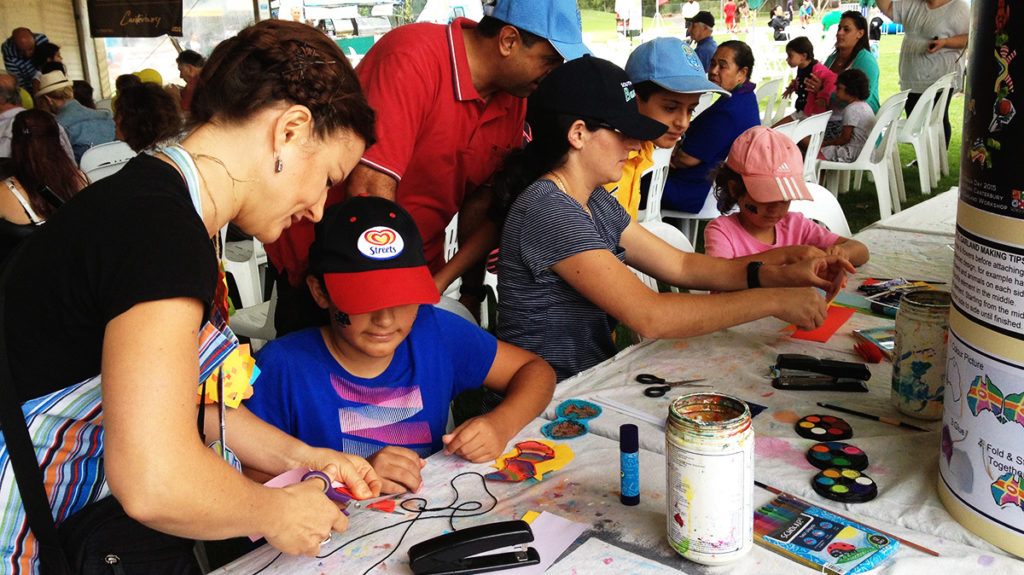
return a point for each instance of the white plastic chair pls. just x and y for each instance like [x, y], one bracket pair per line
[104, 160]
[706, 99]
[242, 261]
[659, 173]
[813, 128]
[825, 209]
[939, 149]
[670, 234]
[689, 222]
[256, 322]
[875, 157]
[768, 91]
[451, 246]
[915, 130]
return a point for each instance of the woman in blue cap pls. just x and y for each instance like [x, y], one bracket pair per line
[563, 278]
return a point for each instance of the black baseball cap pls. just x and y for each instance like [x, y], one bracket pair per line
[370, 254]
[704, 17]
[598, 90]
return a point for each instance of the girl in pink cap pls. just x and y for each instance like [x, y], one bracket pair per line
[762, 176]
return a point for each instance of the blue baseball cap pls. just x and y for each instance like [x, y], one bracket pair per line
[672, 64]
[557, 21]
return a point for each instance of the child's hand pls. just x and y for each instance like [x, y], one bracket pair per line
[477, 440]
[398, 468]
[800, 252]
[835, 250]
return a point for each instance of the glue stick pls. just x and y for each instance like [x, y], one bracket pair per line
[629, 461]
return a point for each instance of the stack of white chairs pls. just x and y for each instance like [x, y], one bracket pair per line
[940, 150]
[875, 157]
[916, 131]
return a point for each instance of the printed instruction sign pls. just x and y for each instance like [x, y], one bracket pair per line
[988, 283]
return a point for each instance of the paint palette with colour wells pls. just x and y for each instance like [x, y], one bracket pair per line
[837, 454]
[845, 485]
[823, 428]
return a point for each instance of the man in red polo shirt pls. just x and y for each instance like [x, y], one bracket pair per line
[450, 103]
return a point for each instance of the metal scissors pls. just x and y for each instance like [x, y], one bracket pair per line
[658, 387]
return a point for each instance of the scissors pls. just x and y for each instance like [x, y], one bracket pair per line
[658, 387]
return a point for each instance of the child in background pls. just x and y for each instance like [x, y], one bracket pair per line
[669, 80]
[806, 12]
[845, 140]
[762, 176]
[800, 55]
[378, 380]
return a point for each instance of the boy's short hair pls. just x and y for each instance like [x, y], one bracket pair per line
[856, 83]
[801, 45]
[369, 253]
[669, 64]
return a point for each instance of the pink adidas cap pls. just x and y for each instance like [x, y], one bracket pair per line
[770, 164]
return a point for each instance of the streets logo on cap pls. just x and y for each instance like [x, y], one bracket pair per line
[380, 243]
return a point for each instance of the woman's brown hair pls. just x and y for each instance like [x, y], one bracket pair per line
[40, 160]
[282, 61]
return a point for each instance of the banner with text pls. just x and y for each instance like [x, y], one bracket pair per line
[134, 18]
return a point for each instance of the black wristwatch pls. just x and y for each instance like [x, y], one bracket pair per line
[754, 274]
[473, 291]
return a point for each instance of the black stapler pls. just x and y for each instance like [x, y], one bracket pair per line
[452, 553]
[796, 371]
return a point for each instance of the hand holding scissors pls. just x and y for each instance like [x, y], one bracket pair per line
[658, 387]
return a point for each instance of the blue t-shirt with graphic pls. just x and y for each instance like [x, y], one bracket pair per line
[305, 392]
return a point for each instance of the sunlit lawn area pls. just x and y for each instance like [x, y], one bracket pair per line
[861, 206]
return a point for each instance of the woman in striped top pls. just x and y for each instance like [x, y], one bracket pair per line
[563, 278]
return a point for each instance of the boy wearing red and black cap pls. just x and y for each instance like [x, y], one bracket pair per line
[377, 381]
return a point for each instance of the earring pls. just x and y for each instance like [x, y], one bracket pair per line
[342, 318]
[279, 164]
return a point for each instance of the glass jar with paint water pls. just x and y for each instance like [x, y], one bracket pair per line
[919, 353]
[709, 454]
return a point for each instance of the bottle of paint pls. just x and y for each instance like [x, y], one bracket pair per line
[919, 353]
[709, 454]
[629, 464]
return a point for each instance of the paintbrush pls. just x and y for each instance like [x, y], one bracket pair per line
[890, 535]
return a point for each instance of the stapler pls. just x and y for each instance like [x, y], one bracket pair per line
[453, 553]
[796, 371]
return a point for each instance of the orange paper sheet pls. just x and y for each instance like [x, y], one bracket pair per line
[837, 316]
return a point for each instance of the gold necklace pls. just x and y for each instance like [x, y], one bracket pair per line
[559, 183]
[206, 186]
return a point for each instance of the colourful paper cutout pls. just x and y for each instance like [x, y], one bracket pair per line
[240, 372]
[531, 458]
[837, 316]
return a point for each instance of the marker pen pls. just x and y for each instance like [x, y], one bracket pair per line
[629, 461]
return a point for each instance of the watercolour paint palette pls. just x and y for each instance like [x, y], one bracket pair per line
[819, 539]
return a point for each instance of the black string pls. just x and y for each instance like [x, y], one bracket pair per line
[418, 505]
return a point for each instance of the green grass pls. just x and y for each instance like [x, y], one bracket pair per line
[861, 206]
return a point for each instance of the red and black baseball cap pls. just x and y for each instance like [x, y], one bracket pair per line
[369, 252]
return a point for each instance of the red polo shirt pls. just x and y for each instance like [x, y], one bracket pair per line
[435, 134]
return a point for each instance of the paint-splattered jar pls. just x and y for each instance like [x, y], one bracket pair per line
[709, 454]
[919, 353]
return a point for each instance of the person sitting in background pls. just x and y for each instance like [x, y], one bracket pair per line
[11, 106]
[17, 51]
[39, 160]
[800, 55]
[85, 127]
[45, 53]
[852, 51]
[146, 115]
[713, 131]
[190, 65]
[762, 177]
[700, 31]
[852, 133]
[377, 381]
[125, 80]
[566, 243]
[669, 80]
[83, 93]
[779, 23]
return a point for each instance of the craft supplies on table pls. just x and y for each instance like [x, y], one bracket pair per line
[709, 458]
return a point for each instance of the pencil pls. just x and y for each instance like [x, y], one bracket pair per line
[890, 535]
[888, 420]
